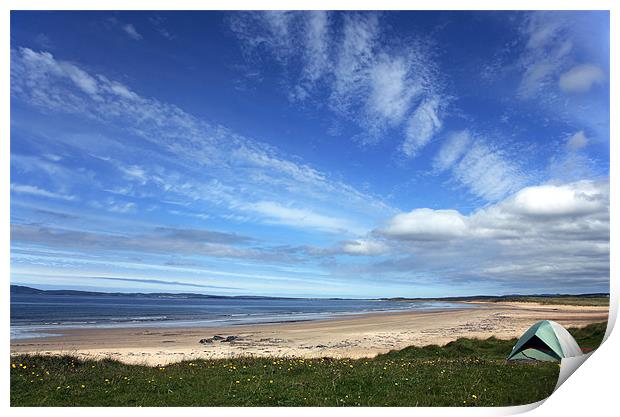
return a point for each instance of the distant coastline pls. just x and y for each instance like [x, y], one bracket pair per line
[22, 289]
[35, 312]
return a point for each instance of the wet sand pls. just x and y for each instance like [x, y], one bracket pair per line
[349, 336]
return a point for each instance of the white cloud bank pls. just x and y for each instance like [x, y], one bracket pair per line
[533, 211]
[547, 237]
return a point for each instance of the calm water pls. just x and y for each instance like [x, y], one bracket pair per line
[30, 314]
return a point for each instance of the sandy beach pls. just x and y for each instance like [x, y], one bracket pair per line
[350, 336]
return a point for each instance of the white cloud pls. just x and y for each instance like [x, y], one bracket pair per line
[44, 64]
[135, 172]
[169, 241]
[422, 126]
[159, 22]
[452, 150]
[84, 81]
[201, 216]
[119, 89]
[121, 207]
[39, 192]
[130, 30]
[317, 41]
[546, 51]
[577, 141]
[364, 247]
[426, 224]
[354, 57]
[247, 170]
[574, 199]
[543, 29]
[486, 173]
[581, 78]
[297, 217]
[368, 81]
[392, 89]
[265, 31]
[546, 236]
[539, 211]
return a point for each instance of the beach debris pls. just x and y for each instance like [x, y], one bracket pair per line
[219, 338]
[229, 339]
[321, 346]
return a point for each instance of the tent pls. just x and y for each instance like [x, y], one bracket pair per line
[545, 341]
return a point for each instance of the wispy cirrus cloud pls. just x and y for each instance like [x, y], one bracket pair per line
[552, 57]
[547, 46]
[40, 192]
[424, 123]
[162, 282]
[280, 214]
[160, 240]
[348, 60]
[452, 149]
[577, 141]
[486, 171]
[223, 162]
[131, 31]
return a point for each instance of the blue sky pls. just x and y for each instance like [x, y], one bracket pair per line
[311, 153]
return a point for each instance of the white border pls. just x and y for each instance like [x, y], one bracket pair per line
[591, 392]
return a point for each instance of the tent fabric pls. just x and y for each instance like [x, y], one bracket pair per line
[546, 341]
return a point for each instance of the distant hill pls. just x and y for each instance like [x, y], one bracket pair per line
[590, 299]
[21, 289]
[24, 290]
[511, 297]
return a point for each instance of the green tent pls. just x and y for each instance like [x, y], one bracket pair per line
[545, 341]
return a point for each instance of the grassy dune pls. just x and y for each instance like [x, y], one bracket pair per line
[466, 372]
[562, 300]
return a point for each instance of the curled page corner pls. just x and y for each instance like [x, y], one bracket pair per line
[521, 409]
[568, 366]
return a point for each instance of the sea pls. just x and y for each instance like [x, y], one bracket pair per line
[41, 315]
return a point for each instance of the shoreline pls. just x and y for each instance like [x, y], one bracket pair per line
[351, 336]
[58, 329]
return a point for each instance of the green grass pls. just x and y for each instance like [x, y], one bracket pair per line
[589, 337]
[560, 300]
[464, 372]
